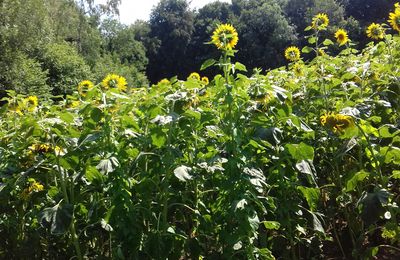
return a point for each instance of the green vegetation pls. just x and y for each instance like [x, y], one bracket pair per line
[298, 162]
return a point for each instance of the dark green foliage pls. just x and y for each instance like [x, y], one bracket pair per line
[264, 32]
[171, 24]
[26, 76]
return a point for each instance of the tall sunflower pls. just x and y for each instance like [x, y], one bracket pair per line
[225, 37]
[320, 21]
[31, 103]
[292, 53]
[341, 37]
[84, 87]
[394, 19]
[114, 81]
[375, 31]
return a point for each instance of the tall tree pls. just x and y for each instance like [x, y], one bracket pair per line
[264, 32]
[171, 24]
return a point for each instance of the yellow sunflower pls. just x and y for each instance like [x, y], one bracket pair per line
[292, 53]
[341, 37]
[164, 82]
[15, 108]
[40, 148]
[298, 69]
[225, 37]
[205, 80]
[320, 21]
[114, 81]
[394, 19]
[31, 103]
[84, 87]
[338, 123]
[375, 31]
[194, 75]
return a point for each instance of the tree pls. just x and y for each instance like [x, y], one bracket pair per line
[171, 25]
[264, 33]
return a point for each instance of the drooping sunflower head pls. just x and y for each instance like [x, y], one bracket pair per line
[84, 87]
[31, 103]
[338, 123]
[205, 80]
[114, 81]
[225, 37]
[341, 37]
[320, 21]
[194, 75]
[292, 53]
[394, 19]
[375, 31]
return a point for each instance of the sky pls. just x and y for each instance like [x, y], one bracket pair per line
[131, 10]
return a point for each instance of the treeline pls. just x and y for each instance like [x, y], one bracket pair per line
[49, 46]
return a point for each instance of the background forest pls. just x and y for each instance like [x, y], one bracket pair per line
[49, 46]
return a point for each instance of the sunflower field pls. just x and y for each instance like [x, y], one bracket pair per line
[300, 162]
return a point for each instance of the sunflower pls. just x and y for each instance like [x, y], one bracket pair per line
[225, 37]
[394, 19]
[194, 75]
[292, 53]
[298, 69]
[375, 31]
[205, 80]
[114, 81]
[164, 82]
[84, 87]
[341, 37]
[15, 108]
[40, 148]
[338, 123]
[320, 21]
[31, 103]
[34, 186]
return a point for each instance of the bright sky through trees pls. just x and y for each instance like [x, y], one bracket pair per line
[131, 10]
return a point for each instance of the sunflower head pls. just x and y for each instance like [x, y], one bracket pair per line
[341, 37]
[338, 123]
[320, 21]
[31, 103]
[194, 75]
[375, 31]
[84, 87]
[292, 53]
[15, 108]
[164, 82]
[225, 37]
[298, 69]
[205, 80]
[114, 81]
[394, 19]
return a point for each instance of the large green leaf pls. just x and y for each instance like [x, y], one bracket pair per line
[57, 218]
[301, 151]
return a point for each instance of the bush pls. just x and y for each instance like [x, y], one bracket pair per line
[25, 76]
[65, 66]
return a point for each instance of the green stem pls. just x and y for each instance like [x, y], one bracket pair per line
[378, 166]
[75, 239]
